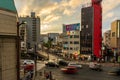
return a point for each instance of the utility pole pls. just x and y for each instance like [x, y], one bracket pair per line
[35, 60]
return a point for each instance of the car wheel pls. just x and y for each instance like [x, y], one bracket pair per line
[25, 63]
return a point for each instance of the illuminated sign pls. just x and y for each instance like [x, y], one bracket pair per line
[71, 27]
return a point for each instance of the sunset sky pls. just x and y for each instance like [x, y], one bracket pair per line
[54, 13]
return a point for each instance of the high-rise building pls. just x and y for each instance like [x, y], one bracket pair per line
[33, 30]
[107, 38]
[91, 27]
[71, 41]
[115, 35]
[9, 65]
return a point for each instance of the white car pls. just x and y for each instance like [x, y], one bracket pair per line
[77, 65]
[28, 62]
[95, 66]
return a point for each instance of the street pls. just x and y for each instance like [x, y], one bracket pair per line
[83, 74]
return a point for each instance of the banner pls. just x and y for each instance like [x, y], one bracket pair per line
[71, 27]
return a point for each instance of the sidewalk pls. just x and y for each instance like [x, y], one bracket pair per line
[39, 76]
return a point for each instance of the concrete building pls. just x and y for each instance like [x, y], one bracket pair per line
[23, 38]
[71, 39]
[9, 67]
[86, 33]
[91, 29]
[115, 36]
[53, 37]
[107, 38]
[33, 30]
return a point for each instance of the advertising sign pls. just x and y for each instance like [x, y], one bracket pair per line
[71, 27]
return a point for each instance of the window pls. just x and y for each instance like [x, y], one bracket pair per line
[76, 42]
[113, 34]
[71, 48]
[71, 42]
[71, 36]
[76, 36]
[86, 26]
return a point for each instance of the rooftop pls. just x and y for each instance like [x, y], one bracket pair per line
[8, 5]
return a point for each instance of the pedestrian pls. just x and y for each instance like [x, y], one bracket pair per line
[31, 74]
[28, 76]
[47, 76]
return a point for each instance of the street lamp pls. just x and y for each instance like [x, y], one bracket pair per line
[18, 49]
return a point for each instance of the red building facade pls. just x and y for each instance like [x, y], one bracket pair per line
[97, 22]
[91, 29]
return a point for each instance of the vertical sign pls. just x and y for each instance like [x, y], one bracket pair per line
[119, 59]
[118, 28]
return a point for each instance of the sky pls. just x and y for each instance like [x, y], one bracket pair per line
[55, 13]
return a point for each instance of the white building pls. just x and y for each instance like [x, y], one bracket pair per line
[71, 39]
[33, 30]
[107, 38]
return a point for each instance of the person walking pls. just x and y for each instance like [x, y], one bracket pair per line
[47, 76]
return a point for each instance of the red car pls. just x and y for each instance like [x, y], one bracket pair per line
[29, 67]
[70, 70]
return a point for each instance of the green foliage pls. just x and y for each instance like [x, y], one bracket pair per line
[48, 44]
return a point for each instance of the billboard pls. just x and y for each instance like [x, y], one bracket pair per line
[71, 27]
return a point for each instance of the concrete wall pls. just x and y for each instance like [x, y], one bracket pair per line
[8, 32]
[7, 23]
[113, 31]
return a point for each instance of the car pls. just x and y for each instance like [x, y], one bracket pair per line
[77, 65]
[114, 71]
[63, 63]
[51, 64]
[95, 66]
[29, 67]
[25, 62]
[69, 70]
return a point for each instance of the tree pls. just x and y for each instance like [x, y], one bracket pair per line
[48, 45]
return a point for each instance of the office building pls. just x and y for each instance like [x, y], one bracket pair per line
[107, 38]
[91, 29]
[115, 36]
[33, 30]
[71, 40]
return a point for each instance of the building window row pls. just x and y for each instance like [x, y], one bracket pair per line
[74, 36]
[71, 42]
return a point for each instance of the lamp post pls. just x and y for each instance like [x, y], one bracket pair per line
[18, 49]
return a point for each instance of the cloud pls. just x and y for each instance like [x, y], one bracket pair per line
[108, 15]
[50, 18]
[66, 11]
[51, 29]
[109, 5]
[75, 3]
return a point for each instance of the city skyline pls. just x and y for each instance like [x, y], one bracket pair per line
[54, 13]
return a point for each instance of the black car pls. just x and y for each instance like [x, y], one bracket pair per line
[115, 71]
[63, 63]
[51, 64]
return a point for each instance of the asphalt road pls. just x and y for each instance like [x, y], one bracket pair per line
[83, 74]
